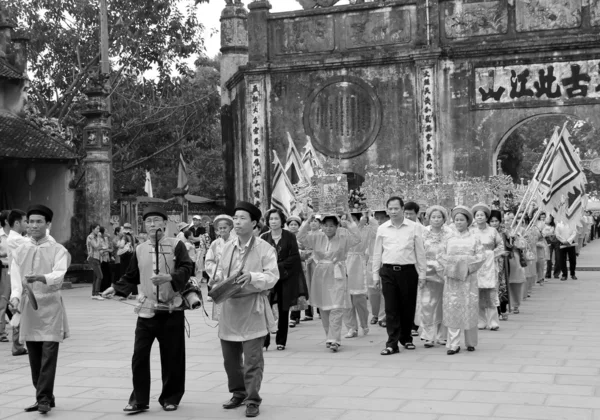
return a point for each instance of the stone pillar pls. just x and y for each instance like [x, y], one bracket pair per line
[96, 140]
[234, 54]
[258, 42]
[20, 42]
[234, 44]
[5, 32]
[426, 82]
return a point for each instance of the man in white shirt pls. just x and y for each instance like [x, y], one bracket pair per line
[568, 240]
[398, 265]
[4, 280]
[17, 220]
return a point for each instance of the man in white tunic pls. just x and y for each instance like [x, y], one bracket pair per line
[246, 318]
[38, 267]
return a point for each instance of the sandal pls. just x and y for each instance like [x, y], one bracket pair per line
[470, 348]
[382, 324]
[429, 344]
[409, 346]
[494, 328]
[389, 350]
[280, 347]
[135, 408]
[334, 347]
[170, 407]
[4, 339]
[451, 352]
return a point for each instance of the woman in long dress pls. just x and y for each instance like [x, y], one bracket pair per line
[516, 263]
[431, 291]
[487, 276]
[291, 284]
[502, 264]
[329, 288]
[461, 257]
[356, 263]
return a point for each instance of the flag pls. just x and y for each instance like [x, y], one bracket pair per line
[309, 159]
[282, 196]
[566, 196]
[543, 174]
[148, 185]
[182, 179]
[294, 168]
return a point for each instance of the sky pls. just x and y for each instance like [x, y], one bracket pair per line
[209, 14]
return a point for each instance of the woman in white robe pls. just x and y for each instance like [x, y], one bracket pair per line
[329, 287]
[430, 293]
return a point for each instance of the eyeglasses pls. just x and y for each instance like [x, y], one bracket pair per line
[153, 220]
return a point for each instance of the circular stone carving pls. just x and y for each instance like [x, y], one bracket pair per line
[342, 117]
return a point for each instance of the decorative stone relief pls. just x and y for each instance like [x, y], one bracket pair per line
[303, 35]
[377, 28]
[462, 19]
[427, 122]
[543, 15]
[234, 33]
[558, 82]
[257, 133]
[311, 4]
[595, 12]
[343, 117]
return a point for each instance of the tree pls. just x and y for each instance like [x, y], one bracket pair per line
[176, 109]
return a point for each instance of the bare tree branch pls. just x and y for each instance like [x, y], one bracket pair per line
[76, 82]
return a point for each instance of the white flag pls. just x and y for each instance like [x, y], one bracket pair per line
[148, 185]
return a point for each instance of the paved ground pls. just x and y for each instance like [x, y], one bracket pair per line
[543, 364]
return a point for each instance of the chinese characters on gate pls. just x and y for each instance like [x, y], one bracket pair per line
[559, 82]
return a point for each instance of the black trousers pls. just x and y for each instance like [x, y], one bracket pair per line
[564, 253]
[282, 329]
[554, 252]
[244, 365]
[400, 293]
[169, 330]
[43, 356]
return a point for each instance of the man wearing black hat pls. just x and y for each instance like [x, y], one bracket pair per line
[38, 267]
[246, 318]
[160, 267]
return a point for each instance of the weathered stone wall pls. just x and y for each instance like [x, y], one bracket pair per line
[423, 85]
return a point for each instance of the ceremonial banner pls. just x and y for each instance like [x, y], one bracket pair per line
[330, 194]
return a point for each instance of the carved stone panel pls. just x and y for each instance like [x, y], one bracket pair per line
[377, 28]
[464, 19]
[303, 35]
[595, 12]
[343, 117]
[543, 15]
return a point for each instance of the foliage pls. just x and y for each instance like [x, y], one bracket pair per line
[152, 119]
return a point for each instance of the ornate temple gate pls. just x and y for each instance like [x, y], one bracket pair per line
[426, 85]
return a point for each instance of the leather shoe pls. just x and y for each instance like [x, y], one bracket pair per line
[234, 402]
[135, 408]
[44, 407]
[252, 410]
[35, 406]
[21, 352]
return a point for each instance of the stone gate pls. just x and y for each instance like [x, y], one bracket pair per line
[422, 85]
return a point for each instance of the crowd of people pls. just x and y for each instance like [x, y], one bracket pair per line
[441, 275]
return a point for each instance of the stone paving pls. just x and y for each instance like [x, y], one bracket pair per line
[542, 364]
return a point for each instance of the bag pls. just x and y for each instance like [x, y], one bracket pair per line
[228, 287]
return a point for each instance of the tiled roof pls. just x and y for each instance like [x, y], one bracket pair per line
[9, 72]
[21, 139]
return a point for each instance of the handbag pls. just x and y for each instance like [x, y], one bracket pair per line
[228, 287]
